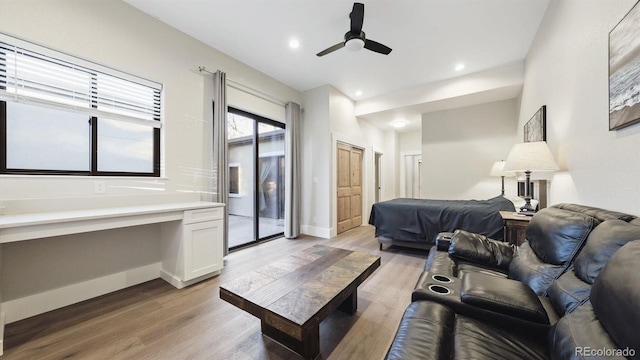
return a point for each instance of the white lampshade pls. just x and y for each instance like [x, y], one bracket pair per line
[530, 156]
[498, 170]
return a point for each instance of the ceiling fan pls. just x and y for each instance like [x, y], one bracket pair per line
[355, 38]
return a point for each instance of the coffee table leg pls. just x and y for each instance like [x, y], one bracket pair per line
[309, 347]
[350, 304]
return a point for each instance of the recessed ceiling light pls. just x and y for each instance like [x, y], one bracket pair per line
[399, 123]
[459, 67]
[359, 93]
[294, 44]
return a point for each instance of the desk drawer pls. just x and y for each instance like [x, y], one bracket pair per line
[195, 216]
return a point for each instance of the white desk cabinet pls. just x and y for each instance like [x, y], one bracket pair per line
[192, 249]
[191, 235]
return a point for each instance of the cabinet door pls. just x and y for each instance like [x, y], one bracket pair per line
[203, 248]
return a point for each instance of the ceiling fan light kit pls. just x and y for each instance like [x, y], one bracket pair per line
[355, 38]
[354, 44]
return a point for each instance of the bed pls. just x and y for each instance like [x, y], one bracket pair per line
[417, 222]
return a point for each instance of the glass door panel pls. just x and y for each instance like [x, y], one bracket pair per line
[270, 180]
[241, 150]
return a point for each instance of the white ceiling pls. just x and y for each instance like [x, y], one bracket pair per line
[428, 38]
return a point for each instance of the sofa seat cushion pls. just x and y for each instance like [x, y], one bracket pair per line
[477, 340]
[425, 332]
[429, 330]
[556, 235]
[529, 269]
[464, 268]
[578, 332]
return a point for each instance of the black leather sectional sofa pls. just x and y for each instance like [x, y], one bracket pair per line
[571, 291]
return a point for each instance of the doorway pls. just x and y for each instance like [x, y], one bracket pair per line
[377, 175]
[349, 187]
[256, 178]
[412, 179]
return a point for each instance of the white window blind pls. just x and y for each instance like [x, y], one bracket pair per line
[37, 75]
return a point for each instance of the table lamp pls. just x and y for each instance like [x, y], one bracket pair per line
[498, 170]
[528, 157]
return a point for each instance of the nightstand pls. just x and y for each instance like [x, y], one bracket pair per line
[515, 227]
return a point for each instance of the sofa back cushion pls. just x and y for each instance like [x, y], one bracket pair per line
[603, 241]
[556, 235]
[615, 296]
[600, 214]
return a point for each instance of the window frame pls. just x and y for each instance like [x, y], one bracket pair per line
[93, 123]
[96, 98]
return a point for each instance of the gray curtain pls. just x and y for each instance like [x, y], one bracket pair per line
[220, 160]
[292, 171]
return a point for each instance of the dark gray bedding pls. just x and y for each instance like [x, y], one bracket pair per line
[420, 220]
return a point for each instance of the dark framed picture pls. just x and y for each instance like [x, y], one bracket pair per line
[536, 128]
[624, 71]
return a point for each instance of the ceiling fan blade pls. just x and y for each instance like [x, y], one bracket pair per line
[377, 47]
[357, 18]
[331, 49]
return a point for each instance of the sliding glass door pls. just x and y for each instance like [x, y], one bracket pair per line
[256, 178]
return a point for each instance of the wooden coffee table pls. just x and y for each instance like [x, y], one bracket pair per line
[292, 296]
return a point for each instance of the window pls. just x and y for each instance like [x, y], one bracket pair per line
[234, 179]
[64, 115]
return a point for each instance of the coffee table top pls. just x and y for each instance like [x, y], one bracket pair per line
[301, 285]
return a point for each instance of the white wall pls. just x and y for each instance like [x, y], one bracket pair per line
[329, 117]
[316, 163]
[567, 70]
[115, 34]
[459, 147]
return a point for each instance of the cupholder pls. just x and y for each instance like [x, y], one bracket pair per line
[438, 289]
[441, 278]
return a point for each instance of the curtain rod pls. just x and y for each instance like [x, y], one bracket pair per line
[248, 90]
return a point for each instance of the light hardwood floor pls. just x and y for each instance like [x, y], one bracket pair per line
[156, 321]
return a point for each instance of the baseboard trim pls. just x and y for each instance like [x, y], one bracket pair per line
[179, 284]
[1, 333]
[22, 308]
[316, 231]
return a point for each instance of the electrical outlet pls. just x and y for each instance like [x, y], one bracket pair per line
[99, 187]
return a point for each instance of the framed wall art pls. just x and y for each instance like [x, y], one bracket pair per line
[624, 71]
[536, 128]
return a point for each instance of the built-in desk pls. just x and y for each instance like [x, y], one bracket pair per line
[192, 236]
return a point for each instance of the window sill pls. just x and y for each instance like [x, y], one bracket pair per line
[75, 177]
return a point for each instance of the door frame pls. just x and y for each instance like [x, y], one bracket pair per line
[366, 178]
[255, 183]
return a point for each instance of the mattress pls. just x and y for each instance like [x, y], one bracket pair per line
[420, 220]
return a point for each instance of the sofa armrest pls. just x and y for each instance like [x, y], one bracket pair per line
[443, 241]
[504, 296]
[480, 249]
